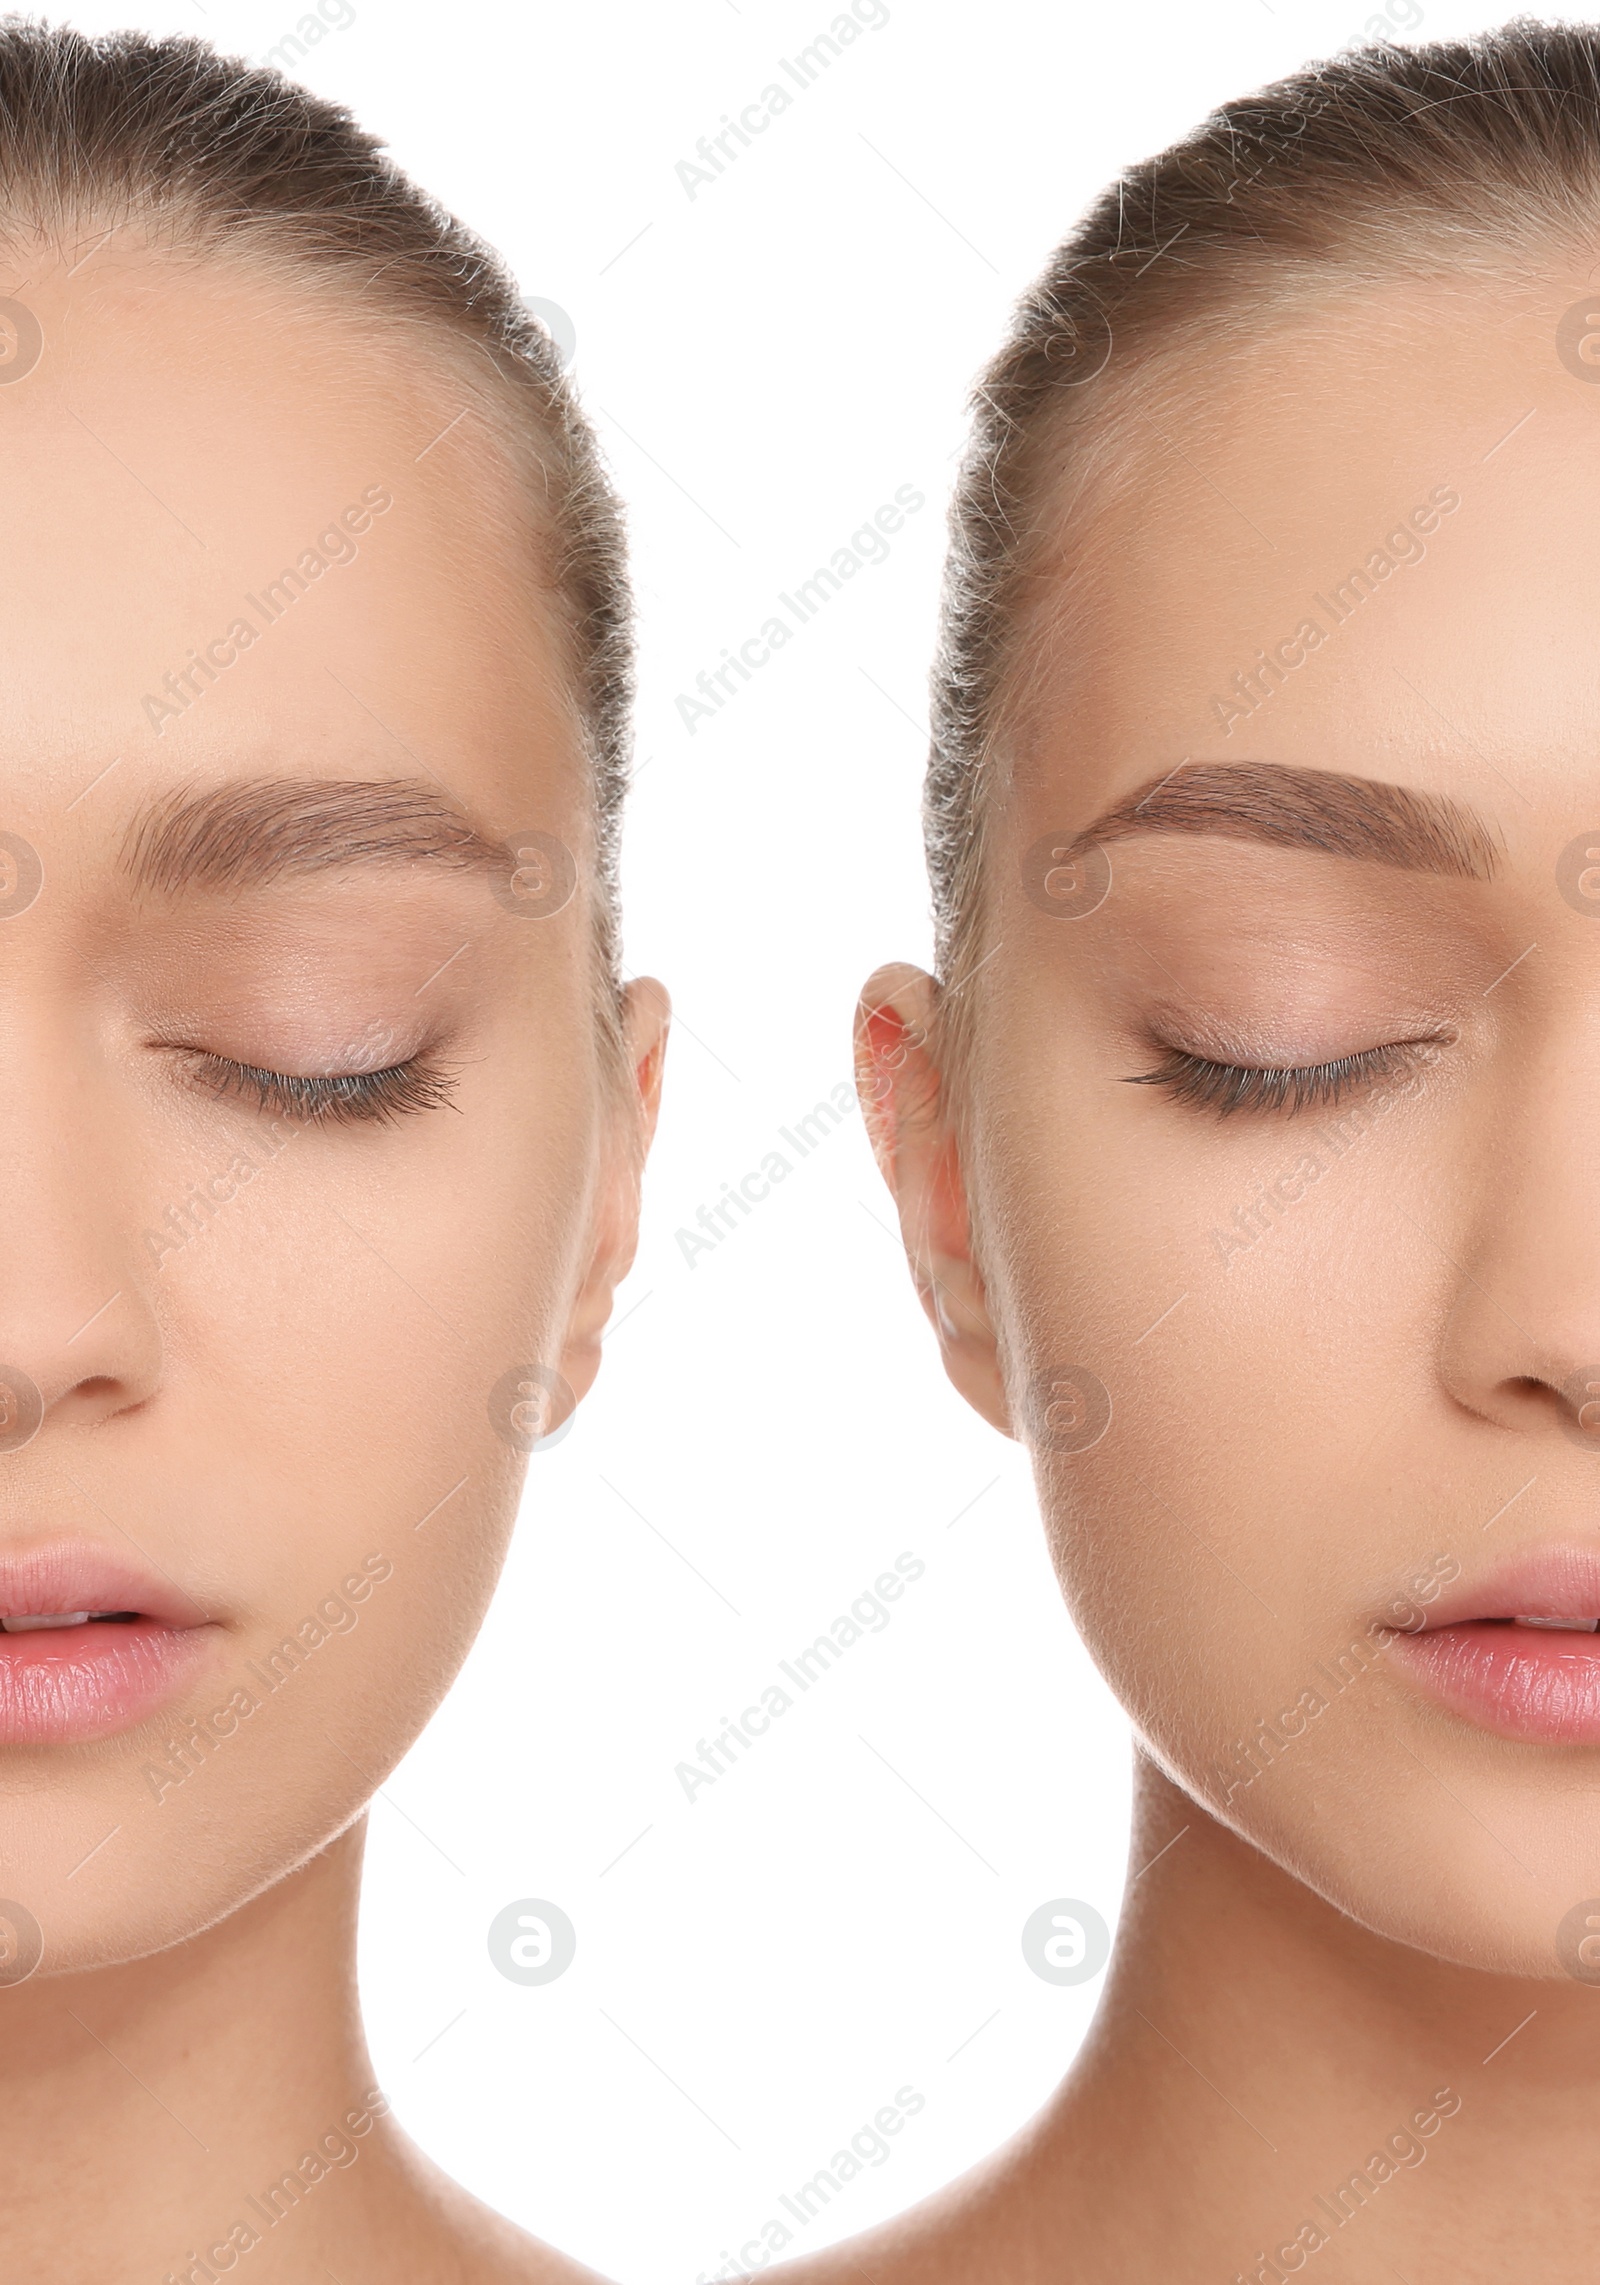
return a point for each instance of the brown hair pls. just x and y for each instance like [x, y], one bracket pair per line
[212, 154]
[1383, 161]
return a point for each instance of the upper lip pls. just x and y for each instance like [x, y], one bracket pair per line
[77, 1575]
[1543, 1582]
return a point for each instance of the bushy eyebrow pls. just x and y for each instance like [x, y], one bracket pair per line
[251, 832]
[1308, 809]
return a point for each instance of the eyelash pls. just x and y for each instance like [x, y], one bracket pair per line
[343, 1098]
[1227, 1087]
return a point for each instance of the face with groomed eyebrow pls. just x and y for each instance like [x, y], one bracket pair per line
[320, 1136]
[1246, 1157]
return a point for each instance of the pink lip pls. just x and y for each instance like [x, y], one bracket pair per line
[1521, 1682]
[62, 1685]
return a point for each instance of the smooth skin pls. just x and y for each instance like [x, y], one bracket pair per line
[300, 1379]
[1366, 1932]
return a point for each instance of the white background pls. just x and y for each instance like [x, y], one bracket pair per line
[760, 1969]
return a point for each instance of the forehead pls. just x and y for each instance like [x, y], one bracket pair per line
[202, 450]
[1277, 572]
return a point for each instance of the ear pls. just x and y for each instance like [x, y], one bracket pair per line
[629, 1128]
[907, 1109]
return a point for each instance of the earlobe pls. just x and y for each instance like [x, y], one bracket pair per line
[905, 1101]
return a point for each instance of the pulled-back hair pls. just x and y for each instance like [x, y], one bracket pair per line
[1384, 162]
[210, 155]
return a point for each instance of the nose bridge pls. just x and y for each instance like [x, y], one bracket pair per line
[76, 1326]
[1527, 1302]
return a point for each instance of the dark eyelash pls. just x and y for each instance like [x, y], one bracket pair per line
[1225, 1087]
[346, 1097]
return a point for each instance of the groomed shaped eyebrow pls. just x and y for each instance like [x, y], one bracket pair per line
[1308, 809]
[249, 833]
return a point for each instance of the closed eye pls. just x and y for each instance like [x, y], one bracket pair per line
[344, 1097]
[1226, 1087]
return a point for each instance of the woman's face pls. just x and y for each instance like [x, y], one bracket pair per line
[274, 1349]
[1346, 1347]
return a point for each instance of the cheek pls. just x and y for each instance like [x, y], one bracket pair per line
[344, 1320]
[334, 1338]
[375, 1324]
[1214, 1333]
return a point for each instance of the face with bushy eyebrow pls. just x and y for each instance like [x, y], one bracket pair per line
[320, 1167]
[1248, 1176]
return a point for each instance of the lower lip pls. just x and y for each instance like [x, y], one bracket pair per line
[1527, 1682]
[62, 1685]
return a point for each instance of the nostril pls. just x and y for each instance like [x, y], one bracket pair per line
[98, 1396]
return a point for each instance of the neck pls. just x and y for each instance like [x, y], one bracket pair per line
[154, 2110]
[1266, 2081]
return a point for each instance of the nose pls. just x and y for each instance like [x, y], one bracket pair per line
[1521, 1346]
[79, 1338]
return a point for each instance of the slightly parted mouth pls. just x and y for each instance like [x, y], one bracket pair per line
[1555, 1625]
[1553, 1589]
[67, 1585]
[30, 1623]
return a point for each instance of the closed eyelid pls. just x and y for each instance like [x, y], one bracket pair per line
[339, 1098]
[1224, 1088]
